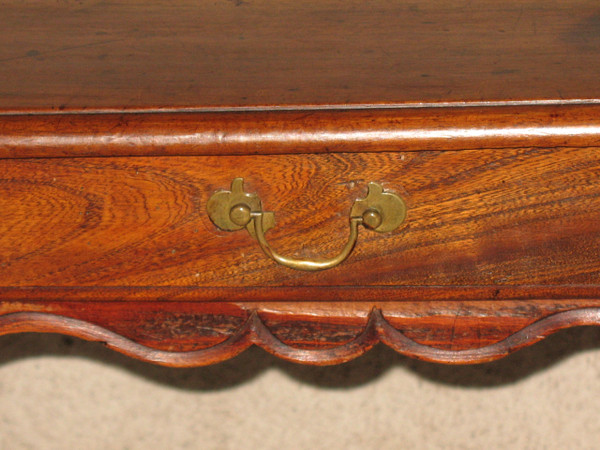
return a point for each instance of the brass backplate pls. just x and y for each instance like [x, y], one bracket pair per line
[221, 204]
[388, 205]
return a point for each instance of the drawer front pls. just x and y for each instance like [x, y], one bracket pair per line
[509, 222]
[499, 248]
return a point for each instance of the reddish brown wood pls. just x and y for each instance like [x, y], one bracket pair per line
[298, 293]
[157, 54]
[253, 330]
[186, 326]
[299, 131]
[478, 220]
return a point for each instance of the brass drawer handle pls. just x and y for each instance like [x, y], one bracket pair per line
[233, 210]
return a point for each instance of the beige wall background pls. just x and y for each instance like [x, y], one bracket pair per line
[61, 393]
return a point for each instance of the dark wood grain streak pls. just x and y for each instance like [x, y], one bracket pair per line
[300, 131]
[255, 332]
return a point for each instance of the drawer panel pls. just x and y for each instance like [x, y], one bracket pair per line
[517, 223]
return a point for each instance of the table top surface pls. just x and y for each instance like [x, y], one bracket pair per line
[154, 54]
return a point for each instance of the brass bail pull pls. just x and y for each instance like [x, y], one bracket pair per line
[236, 209]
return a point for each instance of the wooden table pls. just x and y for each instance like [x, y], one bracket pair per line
[182, 180]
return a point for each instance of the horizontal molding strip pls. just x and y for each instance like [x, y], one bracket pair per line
[299, 293]
[298, 131]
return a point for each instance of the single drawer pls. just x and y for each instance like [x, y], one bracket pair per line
[474, 219]
[126, 246]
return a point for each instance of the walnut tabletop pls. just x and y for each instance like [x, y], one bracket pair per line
[193, 54]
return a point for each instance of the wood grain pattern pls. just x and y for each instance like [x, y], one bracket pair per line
[495, 220]
[156, 54]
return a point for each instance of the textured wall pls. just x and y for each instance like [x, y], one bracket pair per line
[59, 393]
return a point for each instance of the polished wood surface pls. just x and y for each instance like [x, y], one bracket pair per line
[299, 132]
[505, 218]
[189, 54]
